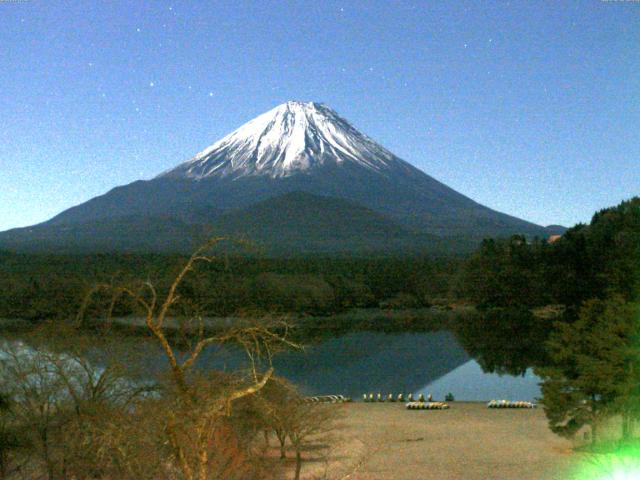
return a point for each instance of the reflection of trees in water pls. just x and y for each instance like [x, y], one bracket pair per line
[399, 351]
[504, 340]
[360, 362]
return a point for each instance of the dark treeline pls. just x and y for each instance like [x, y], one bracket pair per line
[588, 261]
[503, 276]
[521, 288]
[38, 286]
[571, 309]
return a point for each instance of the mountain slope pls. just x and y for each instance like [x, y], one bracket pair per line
[292, 224]
[133, 233]
[304, 223]
[296, 147]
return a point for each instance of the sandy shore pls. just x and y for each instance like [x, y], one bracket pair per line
[469, 441]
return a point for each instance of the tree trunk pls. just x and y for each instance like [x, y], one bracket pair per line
[44, 438]
[626, 426]
[282, 438]
[594, 419]
[298, 464]
[3, 462]
[203, 462]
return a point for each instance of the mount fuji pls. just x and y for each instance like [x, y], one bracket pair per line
[296, 179]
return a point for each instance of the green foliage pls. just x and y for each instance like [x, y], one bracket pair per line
[37, 287]
[507, 273]
[589, 359]
[503, 277]
[589, 261]
[504, 340]
[290, 293]
[595, 366]
[613, 241]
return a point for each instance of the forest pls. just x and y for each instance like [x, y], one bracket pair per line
[38, 286]
[569, 309]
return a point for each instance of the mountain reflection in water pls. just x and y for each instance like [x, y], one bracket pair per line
[372, 362]
[368, 362]
[469, 382]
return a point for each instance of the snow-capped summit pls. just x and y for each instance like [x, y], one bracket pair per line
[298, 178]
[293, 137]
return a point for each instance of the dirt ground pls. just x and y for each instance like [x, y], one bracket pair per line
[468, 441]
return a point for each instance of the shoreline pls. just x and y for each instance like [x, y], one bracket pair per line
[466, 442]
[357, 319]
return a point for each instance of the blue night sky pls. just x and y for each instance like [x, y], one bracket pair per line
[531, 108]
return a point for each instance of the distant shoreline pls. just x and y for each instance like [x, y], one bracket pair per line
[378, 319]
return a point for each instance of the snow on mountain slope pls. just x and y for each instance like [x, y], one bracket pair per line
[288, 159]
[291, 138]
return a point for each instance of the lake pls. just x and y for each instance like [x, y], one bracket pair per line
[370, 362]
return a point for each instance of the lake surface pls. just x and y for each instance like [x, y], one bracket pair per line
[372, 362]
[469, 382]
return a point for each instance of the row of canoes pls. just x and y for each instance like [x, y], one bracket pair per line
[509, 404]
[327, 399]
[427, 406]
[394, 398]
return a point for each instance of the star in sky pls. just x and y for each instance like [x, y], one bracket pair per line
[413, 85]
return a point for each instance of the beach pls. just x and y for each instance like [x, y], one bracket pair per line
[467, 441]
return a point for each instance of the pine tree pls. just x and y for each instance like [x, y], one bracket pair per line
[596, 368]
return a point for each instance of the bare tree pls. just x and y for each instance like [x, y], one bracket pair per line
[291, 417]
[9, 441]
[37, 401]
[198, 406]
[65, 405]
[275, 403]
[307, 422]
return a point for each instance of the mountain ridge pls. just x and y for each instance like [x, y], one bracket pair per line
[295, 147]
[292, 224]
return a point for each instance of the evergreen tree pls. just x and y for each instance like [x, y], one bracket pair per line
[596, 368]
